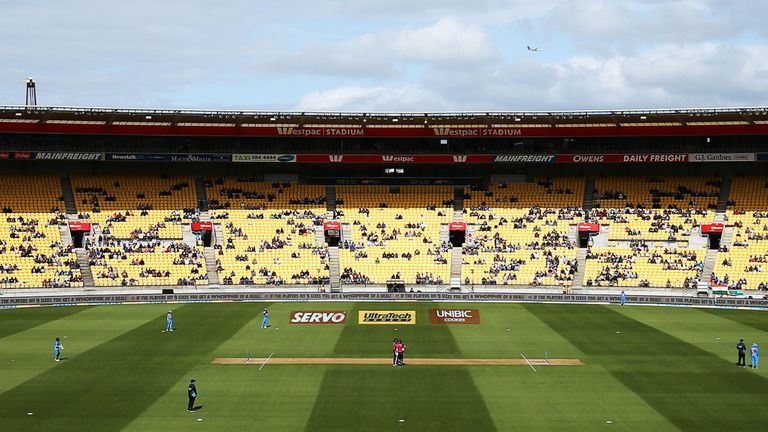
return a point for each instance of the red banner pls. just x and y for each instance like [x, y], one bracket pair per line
[712, 228]
[393, 159]
[79, 226]
[332, 225]
[623, 158]
[202, 226]
[457, 226]
[588, 227]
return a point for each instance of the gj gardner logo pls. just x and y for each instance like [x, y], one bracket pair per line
[387, 317]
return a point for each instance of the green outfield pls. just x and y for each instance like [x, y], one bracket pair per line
[645, 368]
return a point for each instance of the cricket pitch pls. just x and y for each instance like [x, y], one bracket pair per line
[386, 361]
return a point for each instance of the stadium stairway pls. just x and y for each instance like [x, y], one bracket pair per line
[581, 259]
[458, 201]
[335, 269]
[66, 236]
[330, 198]
[709, 265]
[210, 264]
[202, 200]
[456, 261]
[319, 236]
[725, 192]
[589, 193]
[187, 236]
[69, 196]
[85, 268]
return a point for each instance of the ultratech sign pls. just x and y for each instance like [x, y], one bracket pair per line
[284, 158]
[387, 317]
[622, 158]
[313, 317]
[721, 157]
[68, 156]
[524, 158]
[454, 316]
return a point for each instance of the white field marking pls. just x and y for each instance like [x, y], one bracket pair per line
[265, 361]
[529, 363]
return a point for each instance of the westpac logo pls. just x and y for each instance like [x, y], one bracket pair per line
[448, 131]
[459, 158]
[335, 158]
[285, 130]
[392, 158]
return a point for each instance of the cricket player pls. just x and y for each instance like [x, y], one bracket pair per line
[169, 321]
[57, 349]
[191, 395]
[622, 298]
[400, 353]
[742, 348]
[755, 355]
[394, 352]
[265, 319]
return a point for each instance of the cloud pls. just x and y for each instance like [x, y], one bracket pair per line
[368, 99]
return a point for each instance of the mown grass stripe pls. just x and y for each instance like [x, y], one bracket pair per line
[106, 387]
[755, 319]
[13, 321]
[681, 381]
[377, 397]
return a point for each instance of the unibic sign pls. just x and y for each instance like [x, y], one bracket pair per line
[454, 316]
[312, 317]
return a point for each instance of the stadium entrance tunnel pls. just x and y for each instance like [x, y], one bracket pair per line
[78, 231]
[332, 230]
[457, 233]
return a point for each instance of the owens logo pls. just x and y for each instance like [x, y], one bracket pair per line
[459, 158]
[331, 317]
[285, 131]
[335, 158]
[387, 317]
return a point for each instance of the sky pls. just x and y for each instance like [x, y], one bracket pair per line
[386, 55]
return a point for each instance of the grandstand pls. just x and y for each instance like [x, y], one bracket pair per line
[395, 189]
[394, 234]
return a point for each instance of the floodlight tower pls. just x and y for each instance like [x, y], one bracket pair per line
[31, 92]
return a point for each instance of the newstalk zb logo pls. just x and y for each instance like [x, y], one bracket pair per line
[387, 317]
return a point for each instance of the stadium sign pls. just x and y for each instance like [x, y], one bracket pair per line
[386, 317]
[454, 316]
[393, 159]
[446, 131]
[284, 158]
[68, 156]
[320, 131]
[523, 158]
[200, 158]
[315, 317]
[721, 157]
[623, 158]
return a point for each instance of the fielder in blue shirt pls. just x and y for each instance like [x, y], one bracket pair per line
[169, 321]
[622, 298]
[755, 355]
[57, 349]
[265, 320]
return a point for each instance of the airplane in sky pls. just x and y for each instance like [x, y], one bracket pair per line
[534, 49]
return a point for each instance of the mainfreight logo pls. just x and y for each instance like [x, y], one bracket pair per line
[68, 156]
[524, 158]
[312, 317]
[387, 317]
[335, 158]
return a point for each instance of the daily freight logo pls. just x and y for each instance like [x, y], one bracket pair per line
[454, 316]
[387, 317]
[312, 317]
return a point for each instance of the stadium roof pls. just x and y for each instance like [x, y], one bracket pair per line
[38, 119]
